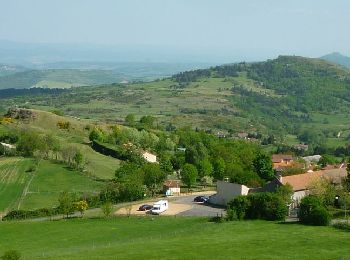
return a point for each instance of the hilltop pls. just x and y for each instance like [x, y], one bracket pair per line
[284, 97]
[338, 58]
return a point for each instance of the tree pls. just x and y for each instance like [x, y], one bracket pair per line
[78, 160]
[130, 182]
[326, 159]
[130, 120]
[205, 168]
[324, 190]
[81, 206]
[66, 203]
[263, 166]
[97, 134]
[219, 168]
[189, 175]
[153, 177]
[285, 192]
[147, 122]
[29, 142]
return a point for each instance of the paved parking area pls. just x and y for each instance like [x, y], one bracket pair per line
[198, 209]
[181, 206]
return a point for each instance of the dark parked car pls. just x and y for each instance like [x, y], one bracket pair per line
[145, 207]
[201, 199]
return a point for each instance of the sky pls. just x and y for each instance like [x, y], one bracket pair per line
[216, 29]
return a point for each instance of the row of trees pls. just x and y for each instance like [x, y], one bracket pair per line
[46, 146]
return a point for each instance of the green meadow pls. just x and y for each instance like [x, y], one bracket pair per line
[171, 238]
[50, 179]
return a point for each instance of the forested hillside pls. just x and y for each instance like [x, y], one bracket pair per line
[290, 99]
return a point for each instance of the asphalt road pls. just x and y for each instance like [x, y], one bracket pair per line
[198, 209]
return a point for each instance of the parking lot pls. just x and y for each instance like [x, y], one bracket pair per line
[180, 206]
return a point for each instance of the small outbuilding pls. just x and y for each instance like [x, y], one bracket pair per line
[172, 187]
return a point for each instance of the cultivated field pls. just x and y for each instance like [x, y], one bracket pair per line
[172, 238]
[50, 179]
[13, 180]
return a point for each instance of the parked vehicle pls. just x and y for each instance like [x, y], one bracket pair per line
[201, 199]
[145, 207]
[159, 207]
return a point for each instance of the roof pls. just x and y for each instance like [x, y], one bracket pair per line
[172, 183]
[268, 187]
[276, 158]
[303, 181]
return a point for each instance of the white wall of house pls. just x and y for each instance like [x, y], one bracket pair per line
[149, 157]
[173, 191]
[226, 191]
[297, 196]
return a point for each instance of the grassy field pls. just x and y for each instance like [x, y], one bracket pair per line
[13, 180]
[52, 178]
[172, 238]
[97, 165]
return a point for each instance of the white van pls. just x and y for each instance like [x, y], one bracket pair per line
[159, 207]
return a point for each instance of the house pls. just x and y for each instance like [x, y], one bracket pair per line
[226, 191]
[302, 182]
[172, 187]
[282, 161]
[149, 157]
[282, 158]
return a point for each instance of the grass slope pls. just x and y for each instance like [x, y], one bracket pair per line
[13, 180]
[172, 238]
[98, 165]
[52, 178]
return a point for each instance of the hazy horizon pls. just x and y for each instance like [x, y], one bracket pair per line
[171, 31]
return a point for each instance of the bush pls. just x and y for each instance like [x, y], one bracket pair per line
[268, 206]
[342, 225]
[25, 214]
[240, 205]
[312, 212]
[11, 255]
[231, 215]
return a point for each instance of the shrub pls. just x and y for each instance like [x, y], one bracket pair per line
[231, 214]
[11, 255]
[239, 204]
[268, 206]
[107, 209]
[25, 214]
[312, 212]
[342, 225]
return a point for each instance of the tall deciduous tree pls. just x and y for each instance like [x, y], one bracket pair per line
[263, 166]
[189, 175]
[153, 177]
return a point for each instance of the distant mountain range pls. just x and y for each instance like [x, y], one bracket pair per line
[338, 58]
